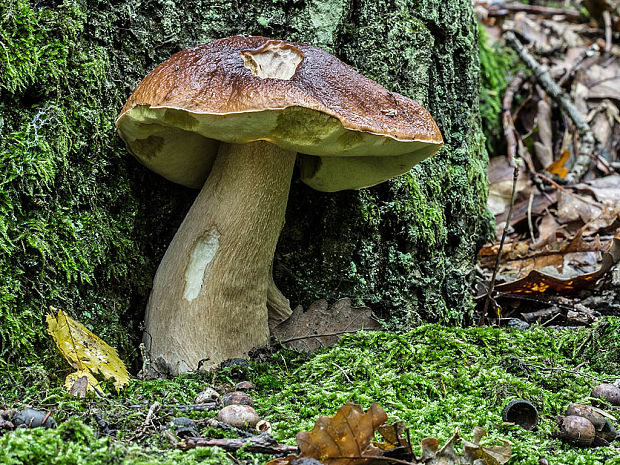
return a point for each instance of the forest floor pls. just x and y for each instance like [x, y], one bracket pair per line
[549, 305]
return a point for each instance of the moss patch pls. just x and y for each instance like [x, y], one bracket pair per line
[434, 378]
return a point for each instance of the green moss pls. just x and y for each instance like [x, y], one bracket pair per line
[65, 210]
[496, 65]
[436, 379]
[74, 443]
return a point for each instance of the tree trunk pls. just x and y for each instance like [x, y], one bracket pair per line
[83, 226]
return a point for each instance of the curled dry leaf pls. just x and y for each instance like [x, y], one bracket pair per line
[346, 434]
[85, 352]
[537, 282]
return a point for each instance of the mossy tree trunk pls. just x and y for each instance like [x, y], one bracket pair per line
[83, 225]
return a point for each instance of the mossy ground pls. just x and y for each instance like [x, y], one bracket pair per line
[436, 379]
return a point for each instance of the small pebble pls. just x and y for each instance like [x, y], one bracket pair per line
[208, 395]
[244, 386]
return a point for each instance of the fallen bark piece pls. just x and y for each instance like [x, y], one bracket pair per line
[261, 443]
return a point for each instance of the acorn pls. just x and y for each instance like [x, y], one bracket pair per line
[239, 416]
[599, 419]
[575, 430]
[237, 398]
[608, 392]
[244, 386]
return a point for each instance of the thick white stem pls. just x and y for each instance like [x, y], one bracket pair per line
[210, 291]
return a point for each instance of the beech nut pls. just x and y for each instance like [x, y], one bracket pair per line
[608, 392]
[575, 430]
[239, 416]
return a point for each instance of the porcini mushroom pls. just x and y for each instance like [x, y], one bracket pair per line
[231, 117]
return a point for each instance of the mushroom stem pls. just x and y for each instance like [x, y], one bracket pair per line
[209, 295]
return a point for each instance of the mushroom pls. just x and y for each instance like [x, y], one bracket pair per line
[232, 117]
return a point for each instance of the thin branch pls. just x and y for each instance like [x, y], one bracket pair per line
[515, 176]
[502, 9]
[566, 191]
[607, 21]
[261, 443]
[586, 147]
[508, 122]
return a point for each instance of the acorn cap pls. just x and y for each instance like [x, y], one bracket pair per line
[352, 132]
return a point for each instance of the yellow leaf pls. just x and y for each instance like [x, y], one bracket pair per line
[84, 350]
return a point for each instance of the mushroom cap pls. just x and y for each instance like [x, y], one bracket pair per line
[351, 132]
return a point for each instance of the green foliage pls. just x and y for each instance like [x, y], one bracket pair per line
[496, 64]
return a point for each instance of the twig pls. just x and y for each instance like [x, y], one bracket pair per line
[586, 147]
[344, 373]
[587, 53]
[530, 225]
[515, 176]
[573, 371]
[153, 409]
[508, 122]
[566, 191]
[503, 9]
[262, 443]
[607, 21]
[193, 407]
[213, 423]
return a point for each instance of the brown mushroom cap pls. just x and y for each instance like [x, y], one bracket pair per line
[352, 131]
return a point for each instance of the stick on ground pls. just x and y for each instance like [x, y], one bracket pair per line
[586, 146]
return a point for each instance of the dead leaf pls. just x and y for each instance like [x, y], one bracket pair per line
[500, 185]
[85, 352]
[77, 383]
[603, 82]
[491, 455]
[558, 166]
[537, 282]
[346, 434]
[395, 436]
[544, 147]
[322, 326]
